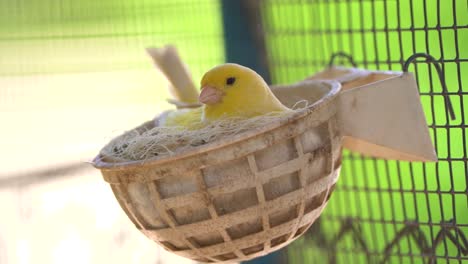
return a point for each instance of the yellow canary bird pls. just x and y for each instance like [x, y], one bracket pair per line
[228, 90]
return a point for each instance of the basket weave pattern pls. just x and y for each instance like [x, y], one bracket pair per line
[241, 206]
[242, 197]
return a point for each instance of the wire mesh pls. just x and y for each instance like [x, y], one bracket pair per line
[385, 211]
[53, 37]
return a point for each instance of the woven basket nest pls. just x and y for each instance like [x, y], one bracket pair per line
[244, 197]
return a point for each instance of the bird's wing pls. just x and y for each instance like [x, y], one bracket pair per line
[187, 118]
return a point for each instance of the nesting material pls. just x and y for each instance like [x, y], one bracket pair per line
[149, 142]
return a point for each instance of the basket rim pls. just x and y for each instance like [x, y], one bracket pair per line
[335, 88]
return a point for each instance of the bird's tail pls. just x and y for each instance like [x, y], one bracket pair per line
[182, 87]
[384, 118]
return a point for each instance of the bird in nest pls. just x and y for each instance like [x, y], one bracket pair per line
[227, 90]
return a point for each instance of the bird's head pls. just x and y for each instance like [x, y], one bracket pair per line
[226, 82]
[231, 87]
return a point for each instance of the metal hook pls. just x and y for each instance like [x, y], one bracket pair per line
[448, 102]
[341, 54]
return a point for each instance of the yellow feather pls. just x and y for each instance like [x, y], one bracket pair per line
[248, 96]
[186, 118]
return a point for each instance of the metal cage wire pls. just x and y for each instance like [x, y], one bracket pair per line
[385, 211]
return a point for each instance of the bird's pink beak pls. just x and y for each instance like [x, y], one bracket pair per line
[210, 95]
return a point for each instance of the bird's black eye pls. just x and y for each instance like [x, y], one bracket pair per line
[230, 80]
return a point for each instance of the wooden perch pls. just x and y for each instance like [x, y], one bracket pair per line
[182, 87]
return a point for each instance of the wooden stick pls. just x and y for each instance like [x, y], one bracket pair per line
[169, 62]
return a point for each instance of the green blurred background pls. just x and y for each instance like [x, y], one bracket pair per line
[103, 42]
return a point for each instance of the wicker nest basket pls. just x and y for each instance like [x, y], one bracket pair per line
[243, 197]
